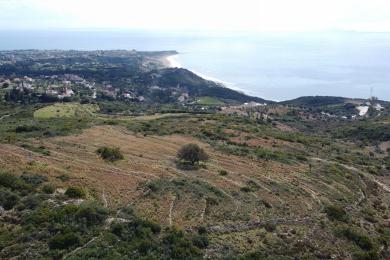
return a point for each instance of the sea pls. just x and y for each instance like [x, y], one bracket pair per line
[274, 66]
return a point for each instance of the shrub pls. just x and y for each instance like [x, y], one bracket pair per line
[8, 199]
[270, 227]
[192, 153]
[31, 201]
[39, 216]
[110, 154]
[177, 246]
[245, 189]
[202, 230]
[223, 173]
[336, 213]
[266, 204]
[200, 241]
[91, 213]
[40, 149]
[33, 179]
[26, 128]
[48, 189]
[75, 192]
[63, 241]
[8, 180]
[63, 177]
[137, 228]
[154, 227]
[359, 239]
[153, 186]
[11, 181]
[370, 255]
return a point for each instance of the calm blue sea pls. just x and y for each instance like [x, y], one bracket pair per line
[272, 66]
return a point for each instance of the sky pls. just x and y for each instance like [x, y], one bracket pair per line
[222, 15]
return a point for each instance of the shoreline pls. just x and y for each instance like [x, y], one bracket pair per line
[171, 61]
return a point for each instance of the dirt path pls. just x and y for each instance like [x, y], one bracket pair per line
[237, 227]
[170, 219]
[203, 212]
[79, 248]
[1, 118]
[104, 199]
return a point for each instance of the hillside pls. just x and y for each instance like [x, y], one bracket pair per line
[84, 177]
[341, 107]
[266, 188]
[47, 76]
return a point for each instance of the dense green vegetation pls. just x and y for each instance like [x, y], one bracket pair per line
[50, 228]
[75, 192]
[366, 131]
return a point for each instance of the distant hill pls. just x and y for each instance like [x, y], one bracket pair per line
[177, 79]
[340, 106]
[112, 75]
[315, 101]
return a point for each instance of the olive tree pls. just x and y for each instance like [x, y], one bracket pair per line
[192, 154]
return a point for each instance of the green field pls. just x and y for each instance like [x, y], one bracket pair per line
[209, 101]
[59, 110]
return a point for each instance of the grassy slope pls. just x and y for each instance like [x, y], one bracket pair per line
[209, 101]
[59, 110]
[236, 207]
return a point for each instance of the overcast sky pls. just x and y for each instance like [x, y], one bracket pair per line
[237, 15]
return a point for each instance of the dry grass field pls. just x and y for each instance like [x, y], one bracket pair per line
[289, 188]
[235, 205]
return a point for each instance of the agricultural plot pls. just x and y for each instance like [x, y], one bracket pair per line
[60, 110]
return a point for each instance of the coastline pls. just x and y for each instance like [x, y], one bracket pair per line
[172, 61]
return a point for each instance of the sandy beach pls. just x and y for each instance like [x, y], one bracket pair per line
[172, 61]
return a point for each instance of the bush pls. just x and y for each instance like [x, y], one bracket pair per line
[33, 179]
[75, 192]
[200, 241]
[48, 189]
[246, 189]
[359, 239]
[91, 213]
[110, 154]
[31, 201]
[63, 241]
[8, 180]
[202, 230]
[336, 213]
[63, 177]
[223, 173]
[26, 128]
[177, 246]
[8, 199]
[270, 227]
[192, 153]
[11, 181]
[370, 255]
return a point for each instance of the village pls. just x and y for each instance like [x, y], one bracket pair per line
[66, 87]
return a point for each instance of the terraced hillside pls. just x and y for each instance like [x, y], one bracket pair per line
[264, 191]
